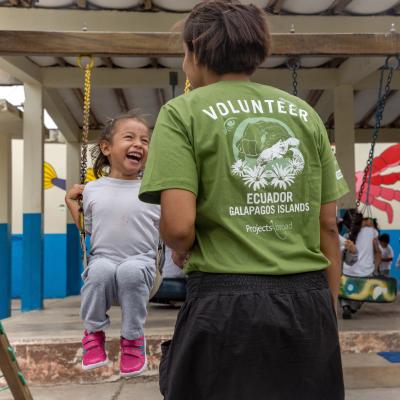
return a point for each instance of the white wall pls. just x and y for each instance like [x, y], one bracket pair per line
[362, 151]
[54, 206]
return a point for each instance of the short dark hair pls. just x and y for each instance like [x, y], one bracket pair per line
[101, 164]
[227, 37]
[385, 238]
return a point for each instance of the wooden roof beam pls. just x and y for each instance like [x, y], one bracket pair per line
[59, 112]
[338, 6]
[57, 77]
[61, 62]
[313, 97]
[275, 6]
[324, 105]
[161, 97]
[108, 44]
[370, 113]
[396, 124]
[355, 69]
[363, 135]
[38, 19]
[330, 121]
[107, 62]
[81, 3]
[21, 68]
[123, 103]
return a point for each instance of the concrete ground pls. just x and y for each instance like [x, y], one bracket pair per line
[60, 319]
[128, 390]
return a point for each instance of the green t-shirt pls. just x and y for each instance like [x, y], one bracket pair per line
[260, 164]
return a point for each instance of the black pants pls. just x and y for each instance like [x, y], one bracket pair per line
[246, 337]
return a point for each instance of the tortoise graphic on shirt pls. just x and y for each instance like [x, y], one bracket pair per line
[266, 153]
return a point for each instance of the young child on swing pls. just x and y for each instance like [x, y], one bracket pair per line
[123, 240]
[365, 236]
[247, 184]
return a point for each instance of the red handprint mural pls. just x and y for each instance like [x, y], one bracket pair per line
[378, 193]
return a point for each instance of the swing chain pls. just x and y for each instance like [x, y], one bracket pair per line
[294, 64]
[390, 66]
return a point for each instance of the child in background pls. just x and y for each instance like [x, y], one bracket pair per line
[348, 250]
[365, 237]
[386, 254]
[123, 240]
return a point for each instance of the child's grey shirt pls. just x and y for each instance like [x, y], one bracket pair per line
[119, 224]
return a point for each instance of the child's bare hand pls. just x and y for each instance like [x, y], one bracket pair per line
[75, 192]
[179, 258]
[350, 246]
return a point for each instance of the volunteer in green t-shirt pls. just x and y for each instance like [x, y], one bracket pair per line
[247, 184]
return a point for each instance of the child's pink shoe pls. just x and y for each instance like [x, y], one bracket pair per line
[133, 357]
[94, 354]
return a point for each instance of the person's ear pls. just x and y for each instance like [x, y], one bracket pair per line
[105, 147]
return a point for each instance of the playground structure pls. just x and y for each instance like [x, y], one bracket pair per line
[342, 73]
[138, 64]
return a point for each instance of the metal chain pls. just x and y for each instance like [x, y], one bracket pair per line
[294, 64]
[367, 175]
[378, 120]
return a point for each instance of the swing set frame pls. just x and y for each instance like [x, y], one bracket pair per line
[150, 44]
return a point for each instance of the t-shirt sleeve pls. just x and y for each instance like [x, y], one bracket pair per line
[87, 210]
[171, 162]
[333, 185]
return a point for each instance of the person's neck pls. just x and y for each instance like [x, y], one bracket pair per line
[120, 175]
[210, 78]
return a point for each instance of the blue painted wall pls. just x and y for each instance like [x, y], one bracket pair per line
[55, 256]
[5, 271]
[32, 262]
[74, 265]
[55, 263]
[395, 243]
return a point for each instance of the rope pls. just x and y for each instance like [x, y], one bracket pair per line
[187, 86]
[86, 115]
[88, 67]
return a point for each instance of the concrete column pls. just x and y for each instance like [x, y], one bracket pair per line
[345, 139]
[74, 265]
[32, 259]
[5, 225]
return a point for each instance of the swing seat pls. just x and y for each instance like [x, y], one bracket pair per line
[377, 289]
[171, 291]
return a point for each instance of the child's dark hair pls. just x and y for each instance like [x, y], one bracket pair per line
[227, 37]
[101, 164]
[385, 238]
[353, 221]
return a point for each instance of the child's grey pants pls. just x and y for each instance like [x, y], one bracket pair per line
[129, 282]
